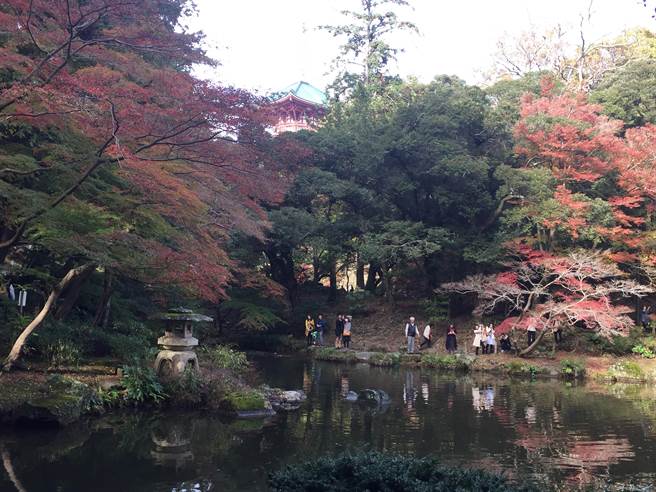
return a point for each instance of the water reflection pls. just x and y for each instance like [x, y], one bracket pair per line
[541, 432]
[483, 398]
[171, 439]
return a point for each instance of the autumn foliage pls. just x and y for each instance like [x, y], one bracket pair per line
[117, 73]
[571, 269]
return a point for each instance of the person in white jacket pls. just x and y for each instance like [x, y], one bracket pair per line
[478, 331]
[427, 337]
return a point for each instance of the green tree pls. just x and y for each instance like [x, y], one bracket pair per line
[366, 53]
[629, 93]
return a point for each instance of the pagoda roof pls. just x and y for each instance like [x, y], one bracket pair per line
[304, 91]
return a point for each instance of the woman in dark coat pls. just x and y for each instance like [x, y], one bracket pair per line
[451, 342]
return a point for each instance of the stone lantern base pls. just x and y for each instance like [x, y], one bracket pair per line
[172, 363]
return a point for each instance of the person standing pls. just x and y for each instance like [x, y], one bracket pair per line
[309, 329]
[478, 331]
[427, 337]
[484, 346]
[644, 318]
[346, 333]
[558, 334]
[339, 330]
[451, 341]
[491, 339]
[531, 332]
[321, 328]
[411, 332]
[505, 345]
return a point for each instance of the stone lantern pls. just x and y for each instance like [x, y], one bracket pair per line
[177, 345]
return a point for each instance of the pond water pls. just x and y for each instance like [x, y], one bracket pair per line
[550, 433]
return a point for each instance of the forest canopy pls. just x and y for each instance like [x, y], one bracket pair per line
[128, 184]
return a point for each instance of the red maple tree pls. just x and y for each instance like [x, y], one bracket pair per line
[118, 72]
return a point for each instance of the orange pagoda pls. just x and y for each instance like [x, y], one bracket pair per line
[298, 107]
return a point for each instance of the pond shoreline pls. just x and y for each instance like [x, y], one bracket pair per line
[38, 398]
[606, 369]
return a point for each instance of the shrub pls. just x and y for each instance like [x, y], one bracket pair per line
[572, 369]
[63, 353]
[384, 472]
[516, 368]
[643, 351]
[189, 390]
[616, 345]
[141, 385]
[223, 357]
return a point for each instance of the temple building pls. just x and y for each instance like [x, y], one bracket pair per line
[298, 107]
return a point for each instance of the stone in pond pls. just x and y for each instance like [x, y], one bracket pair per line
[351, 396]
[285, 400]
[377, 396]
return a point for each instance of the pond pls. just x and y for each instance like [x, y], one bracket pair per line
[546, 432]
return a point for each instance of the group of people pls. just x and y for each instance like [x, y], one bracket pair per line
[484, 342]
[411, 332]
[315, 330]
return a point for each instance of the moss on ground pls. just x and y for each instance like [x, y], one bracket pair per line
[241, 400]
[445, 362]
[383, 359]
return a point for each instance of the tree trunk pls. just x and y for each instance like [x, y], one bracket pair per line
[389, 286]
[316, 270]
[332, 296]
[102, 312]
[359, 274]
[371, 277]
[15, 353]
[282, 270]
[528, 350]
[71, 295]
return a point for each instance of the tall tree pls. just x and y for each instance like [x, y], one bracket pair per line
[366, 54]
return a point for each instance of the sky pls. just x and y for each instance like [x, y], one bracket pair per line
[265, 45]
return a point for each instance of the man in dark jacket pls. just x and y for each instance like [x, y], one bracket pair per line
[411, 331]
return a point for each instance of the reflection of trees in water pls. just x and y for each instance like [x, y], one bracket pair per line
[578, 457]
[539, 431]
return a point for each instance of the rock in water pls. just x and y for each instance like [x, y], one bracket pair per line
[285, 400]
[351, 396]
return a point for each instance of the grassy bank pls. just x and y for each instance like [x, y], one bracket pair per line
[221, 386]
[601, 368]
